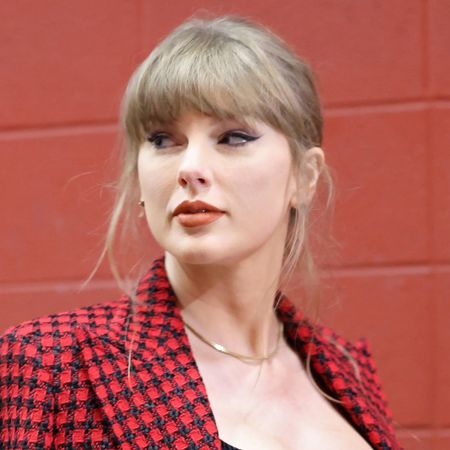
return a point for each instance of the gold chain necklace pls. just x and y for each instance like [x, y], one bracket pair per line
[220, 348]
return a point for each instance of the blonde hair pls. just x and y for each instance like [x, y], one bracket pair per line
[226, 67]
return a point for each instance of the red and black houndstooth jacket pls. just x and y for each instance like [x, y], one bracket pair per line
[64, 381]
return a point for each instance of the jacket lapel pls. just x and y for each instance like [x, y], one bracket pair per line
[161, 401]
[336, 366]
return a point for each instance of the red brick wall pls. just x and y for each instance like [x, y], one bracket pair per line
[384, 74]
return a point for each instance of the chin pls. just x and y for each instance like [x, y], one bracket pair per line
[195, 255]
[190, 252]
[219, 254]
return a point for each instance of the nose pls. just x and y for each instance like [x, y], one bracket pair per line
[194, 172]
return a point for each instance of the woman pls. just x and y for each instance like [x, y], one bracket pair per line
[223, 130]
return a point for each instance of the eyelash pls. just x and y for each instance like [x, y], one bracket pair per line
[152, 138]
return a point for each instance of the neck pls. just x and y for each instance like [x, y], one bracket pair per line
[231, 304]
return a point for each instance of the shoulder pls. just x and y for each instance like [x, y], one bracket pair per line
[39, 362]
[42, 338]
[360, 355]
[316, 336]
[359, 352]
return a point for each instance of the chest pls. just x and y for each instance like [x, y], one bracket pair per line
[276, 407]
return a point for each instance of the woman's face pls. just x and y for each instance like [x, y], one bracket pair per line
[246, 173]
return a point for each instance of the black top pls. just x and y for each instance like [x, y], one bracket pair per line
[226, 446]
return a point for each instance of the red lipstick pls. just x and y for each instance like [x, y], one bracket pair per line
[197, 213]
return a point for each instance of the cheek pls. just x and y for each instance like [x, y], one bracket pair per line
[145, 174]
[263, 187]
[155, 181]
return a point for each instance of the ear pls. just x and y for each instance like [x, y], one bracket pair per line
[313, 161]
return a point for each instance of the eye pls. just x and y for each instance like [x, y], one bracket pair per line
[160, 140]
[236, 138]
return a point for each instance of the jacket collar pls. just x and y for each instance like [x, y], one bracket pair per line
[162, 403]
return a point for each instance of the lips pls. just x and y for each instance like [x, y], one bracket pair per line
[197, 213]
[197, 206]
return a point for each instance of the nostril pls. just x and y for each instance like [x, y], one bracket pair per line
[193, 179]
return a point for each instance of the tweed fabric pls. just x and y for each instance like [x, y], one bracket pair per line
[64, 380]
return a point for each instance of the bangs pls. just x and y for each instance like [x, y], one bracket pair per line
[212, 75]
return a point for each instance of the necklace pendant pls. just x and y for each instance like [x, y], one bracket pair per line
[220, 348]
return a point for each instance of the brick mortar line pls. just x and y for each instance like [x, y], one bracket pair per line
[375, 108]
[55, 286]
[393, 269]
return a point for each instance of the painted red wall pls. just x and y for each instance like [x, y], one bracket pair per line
[384, 75]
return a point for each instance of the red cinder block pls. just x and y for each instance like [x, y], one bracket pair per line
[55, 213]
[393, 308]
[65, 62]
[380, 162]
[55, 206]
[441, 440]
[438, 47]
[440, 182]
[442, 389]
[361, 51]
